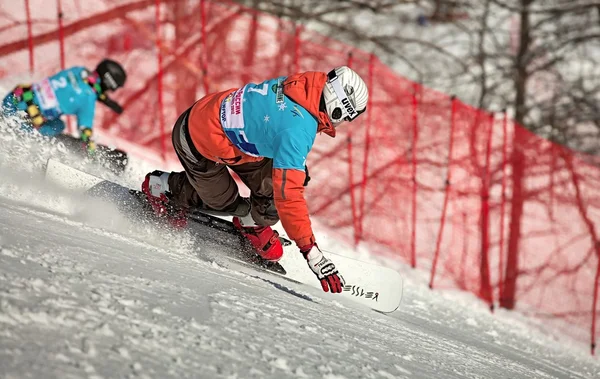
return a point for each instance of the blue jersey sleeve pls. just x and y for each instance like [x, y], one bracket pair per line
[85, 114]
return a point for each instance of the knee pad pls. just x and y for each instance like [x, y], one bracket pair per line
[240, 207]
[264, 211]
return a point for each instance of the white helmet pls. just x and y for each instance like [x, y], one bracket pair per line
[345, 95]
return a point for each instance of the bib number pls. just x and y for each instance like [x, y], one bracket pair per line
[263, 90]
[59, 83]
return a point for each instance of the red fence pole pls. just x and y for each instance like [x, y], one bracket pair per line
[438, 242]
[352, 196]
[553, 157]
[351, 173]
[485, 288]
[591, 227]
[517, 205]
[367, 144]
[61, 34]
[297, 42]
[250, 47]
[203, 54]
[349, 63]
[29, 37]
[159, 77]
[415, 138]
[595, 306]
[502, 206]
[61, 44]
[465, 253]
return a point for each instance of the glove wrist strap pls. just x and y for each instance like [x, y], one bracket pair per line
[314, 253]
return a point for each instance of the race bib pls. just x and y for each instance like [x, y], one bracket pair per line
[46, 98]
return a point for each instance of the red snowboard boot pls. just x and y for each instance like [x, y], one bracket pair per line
[265, 240]
[156, 189]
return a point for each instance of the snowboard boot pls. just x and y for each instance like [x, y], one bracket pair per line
[156, 189]
[263, 239]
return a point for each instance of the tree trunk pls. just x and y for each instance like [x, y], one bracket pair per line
[481, 59]
[185, 84]
[508, 299]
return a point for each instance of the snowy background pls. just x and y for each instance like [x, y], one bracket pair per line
[86, 293]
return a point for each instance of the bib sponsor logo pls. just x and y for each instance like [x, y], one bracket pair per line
[236, 104]
[360, 292]
[45, 95]
[224, 109]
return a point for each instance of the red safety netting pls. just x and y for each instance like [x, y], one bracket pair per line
[483, 204]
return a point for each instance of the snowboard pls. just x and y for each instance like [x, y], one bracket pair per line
[133, 203]
[113, 159]
[377, 287]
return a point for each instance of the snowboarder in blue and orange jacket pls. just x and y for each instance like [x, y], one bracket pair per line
[73, 91]
[263, 132]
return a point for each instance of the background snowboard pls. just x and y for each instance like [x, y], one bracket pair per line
[114, 159]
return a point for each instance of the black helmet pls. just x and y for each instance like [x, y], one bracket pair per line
[112, 75]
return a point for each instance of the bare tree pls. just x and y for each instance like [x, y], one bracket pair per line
[545, 68]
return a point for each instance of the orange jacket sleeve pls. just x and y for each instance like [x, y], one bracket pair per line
[288, 191]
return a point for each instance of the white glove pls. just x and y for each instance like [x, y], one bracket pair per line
[323, 268]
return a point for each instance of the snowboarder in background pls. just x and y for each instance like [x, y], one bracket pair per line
[73, 91]
[262, 132]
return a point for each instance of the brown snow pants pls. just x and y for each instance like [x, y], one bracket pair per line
[208, 185]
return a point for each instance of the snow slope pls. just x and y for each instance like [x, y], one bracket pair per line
[85, 293]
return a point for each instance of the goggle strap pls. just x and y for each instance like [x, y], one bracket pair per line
[341, 94]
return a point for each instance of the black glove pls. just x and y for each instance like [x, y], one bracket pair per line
[113, 105]
[323, 268]
[307, 177]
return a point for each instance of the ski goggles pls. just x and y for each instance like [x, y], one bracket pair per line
[351, 111]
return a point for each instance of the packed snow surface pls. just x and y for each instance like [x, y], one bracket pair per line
[88, 293]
